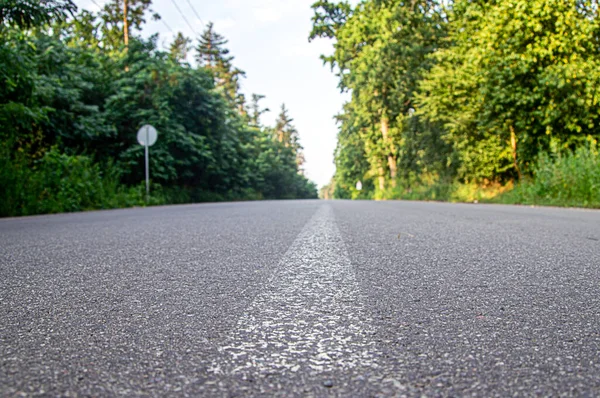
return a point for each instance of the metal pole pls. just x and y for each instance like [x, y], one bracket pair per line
[147, 167]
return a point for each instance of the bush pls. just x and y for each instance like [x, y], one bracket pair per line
[62, 183]
[58, 183]
[563, 179]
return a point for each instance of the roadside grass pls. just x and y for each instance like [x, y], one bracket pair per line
[567, 179]
[61, 183]
[58, 183]
[445, 191]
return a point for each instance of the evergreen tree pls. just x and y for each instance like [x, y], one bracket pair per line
[286, 134]
[256, 110]
[180, 47]
[212, 54]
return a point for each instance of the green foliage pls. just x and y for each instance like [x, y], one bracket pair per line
[212, 54]
[520, 65]
[381, 53]
[112, 16]
[328, 18]
[570, 178]
[450, 94]
[61, 183]
[72, 98]
[27, 14]
[287, 135]
[180, 47]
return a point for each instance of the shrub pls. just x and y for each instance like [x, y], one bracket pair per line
[63, 183]
[562, 179]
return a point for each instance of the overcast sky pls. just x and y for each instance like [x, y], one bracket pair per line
[269, 39]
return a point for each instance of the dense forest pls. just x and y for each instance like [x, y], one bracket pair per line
[466, 99]
[75, 88]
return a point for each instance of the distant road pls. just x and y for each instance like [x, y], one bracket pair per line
[302, 298]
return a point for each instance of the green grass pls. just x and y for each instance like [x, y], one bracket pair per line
[445, 191]
[569, 179]
[60, 183]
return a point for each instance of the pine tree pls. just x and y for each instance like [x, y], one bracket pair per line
[286, 134]
[255, 109]
[180, 47]
[212, 54]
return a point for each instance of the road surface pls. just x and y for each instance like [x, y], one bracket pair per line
[310, 298]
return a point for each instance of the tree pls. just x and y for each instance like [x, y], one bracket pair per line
[26, 14]
[112, 16]
[180, 47]
[328, 18]
[212, 54]
[518, 76]
[71, 102]
[381, 52]
[351, 162]
[287, 135]
[256, 110]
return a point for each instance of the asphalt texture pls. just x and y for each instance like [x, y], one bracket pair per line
[302, 298]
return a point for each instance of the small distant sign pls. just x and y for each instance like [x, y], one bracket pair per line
[359, 185]
[146, 135]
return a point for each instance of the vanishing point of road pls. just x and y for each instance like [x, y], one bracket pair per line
[302, 298]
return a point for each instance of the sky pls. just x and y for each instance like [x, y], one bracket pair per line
[269, 40]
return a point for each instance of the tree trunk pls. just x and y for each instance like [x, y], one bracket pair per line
[391, 159]
[125, 25]
[393, 169]
[513, 146]
[125, 31]
[381, 177]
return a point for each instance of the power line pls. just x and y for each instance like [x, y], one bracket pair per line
[98, 5]
[193, 9]
[184, 18]
[167, 25]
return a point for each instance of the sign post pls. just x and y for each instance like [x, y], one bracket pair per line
[146, 136]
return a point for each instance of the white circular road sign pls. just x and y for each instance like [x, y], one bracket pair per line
[147, 135]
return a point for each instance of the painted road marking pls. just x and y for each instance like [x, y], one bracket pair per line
[310, 317]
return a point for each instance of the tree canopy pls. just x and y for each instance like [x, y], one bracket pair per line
[470, 91]
[70, 89]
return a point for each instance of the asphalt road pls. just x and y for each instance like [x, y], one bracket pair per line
[306, 298]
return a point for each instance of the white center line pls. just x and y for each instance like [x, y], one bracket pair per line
[310, 317]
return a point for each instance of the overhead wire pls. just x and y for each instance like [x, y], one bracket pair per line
[193, 9]
[184, 18]
[167, 25]
[171, 30]
[165, 22]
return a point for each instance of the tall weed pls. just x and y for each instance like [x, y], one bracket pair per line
[563, 179]
[62, 183]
